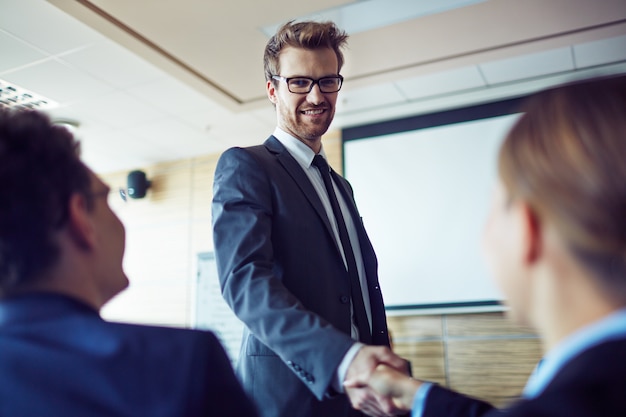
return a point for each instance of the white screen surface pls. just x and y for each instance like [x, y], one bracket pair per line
[424, 197]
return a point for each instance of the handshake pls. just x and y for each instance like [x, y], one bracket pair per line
[378, 383]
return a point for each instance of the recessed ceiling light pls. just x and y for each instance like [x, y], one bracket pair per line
[69, 124]
[366, 15]
[13, 96]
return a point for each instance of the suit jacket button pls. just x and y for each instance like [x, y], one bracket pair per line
[344, 299]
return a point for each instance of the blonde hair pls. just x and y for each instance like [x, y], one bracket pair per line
[566, 156]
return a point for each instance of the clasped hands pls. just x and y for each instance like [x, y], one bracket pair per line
[378, 383]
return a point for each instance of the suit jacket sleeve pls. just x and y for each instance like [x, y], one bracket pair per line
[443, 402]
[244, 211]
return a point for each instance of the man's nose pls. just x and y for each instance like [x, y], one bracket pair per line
[315, 96]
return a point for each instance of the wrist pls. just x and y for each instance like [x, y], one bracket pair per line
[410, 387]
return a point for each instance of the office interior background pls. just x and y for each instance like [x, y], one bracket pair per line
[166, 86]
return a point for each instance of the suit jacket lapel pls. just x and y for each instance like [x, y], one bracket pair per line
[299, 176]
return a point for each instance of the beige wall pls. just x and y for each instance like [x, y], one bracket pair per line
[479, 354]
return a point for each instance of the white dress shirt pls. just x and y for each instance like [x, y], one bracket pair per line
[304, 156]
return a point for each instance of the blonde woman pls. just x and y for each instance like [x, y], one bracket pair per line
[556, 245]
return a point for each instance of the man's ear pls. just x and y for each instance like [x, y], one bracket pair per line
[271, 91]
[531, 233]
[80, 222]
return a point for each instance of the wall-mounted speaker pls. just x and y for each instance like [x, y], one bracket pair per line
[137, 184]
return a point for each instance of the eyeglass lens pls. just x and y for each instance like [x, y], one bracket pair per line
[305, 85]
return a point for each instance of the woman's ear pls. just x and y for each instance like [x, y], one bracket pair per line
[532, 237]
[81, 226]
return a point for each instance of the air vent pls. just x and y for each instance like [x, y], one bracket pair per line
[13, 96]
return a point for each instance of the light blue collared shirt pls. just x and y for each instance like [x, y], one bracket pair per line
[304, 156]
[611, 327]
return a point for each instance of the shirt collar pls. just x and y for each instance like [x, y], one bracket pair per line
[298, 150]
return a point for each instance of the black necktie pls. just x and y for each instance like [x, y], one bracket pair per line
[360, 315]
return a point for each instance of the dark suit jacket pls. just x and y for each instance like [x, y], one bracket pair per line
[59, 358]
[283, 275]
[591, 385]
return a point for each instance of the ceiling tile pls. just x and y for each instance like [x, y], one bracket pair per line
[121, 110]
[169, 134]
[204, 118]
[173, 97]
[600, 52]
[113, 64]
[109, 150]
[367, 97]
[120, 143]
[441, 83]
[16, 53]
[265, 114]
[528, 66]
[78, 113]
[241, 130]
[57, 81]
[44, 26]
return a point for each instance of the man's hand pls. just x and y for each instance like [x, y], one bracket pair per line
[400, 388]
[362, 396]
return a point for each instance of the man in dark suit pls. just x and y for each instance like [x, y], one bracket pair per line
[294, 260]
[61, 250]
[556, 244]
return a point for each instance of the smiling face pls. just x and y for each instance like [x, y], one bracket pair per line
[305, 116]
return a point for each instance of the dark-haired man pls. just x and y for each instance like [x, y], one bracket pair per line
[61, 250]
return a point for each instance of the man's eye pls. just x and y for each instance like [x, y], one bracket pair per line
[299, 82]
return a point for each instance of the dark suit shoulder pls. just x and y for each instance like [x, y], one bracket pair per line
[441, 401]
[590, 385]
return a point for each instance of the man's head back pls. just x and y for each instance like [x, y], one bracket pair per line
[50, 207]
[39, 170]
[565, 158]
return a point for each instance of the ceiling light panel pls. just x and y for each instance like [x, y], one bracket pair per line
[13, 96]
[365, 15]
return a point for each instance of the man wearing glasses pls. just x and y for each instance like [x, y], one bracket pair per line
[294, 260]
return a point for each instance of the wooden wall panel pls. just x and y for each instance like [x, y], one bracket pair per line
[427, 359]
[331, 142]
[483, 355]
[492, 369]
[485, 324]
[415, 328]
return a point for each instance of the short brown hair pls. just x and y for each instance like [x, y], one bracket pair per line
[307, 35]
[566, 156]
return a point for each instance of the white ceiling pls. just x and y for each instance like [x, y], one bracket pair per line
[152, 81]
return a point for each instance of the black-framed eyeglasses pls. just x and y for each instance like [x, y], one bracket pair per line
[304, 85]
